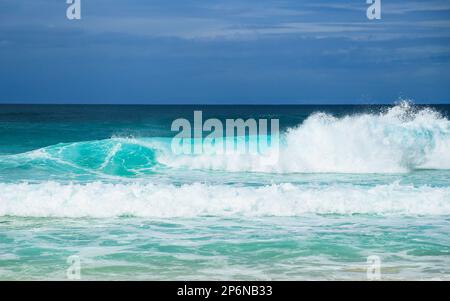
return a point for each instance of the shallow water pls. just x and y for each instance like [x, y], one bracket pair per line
[269, 248]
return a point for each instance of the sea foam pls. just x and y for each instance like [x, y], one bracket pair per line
[101, 200]
[400, 139]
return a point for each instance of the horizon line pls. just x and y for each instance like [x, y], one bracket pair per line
[219, 103]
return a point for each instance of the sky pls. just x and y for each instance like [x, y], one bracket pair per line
[224, 52]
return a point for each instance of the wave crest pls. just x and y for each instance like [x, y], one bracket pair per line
[401, 139]
[101, 200]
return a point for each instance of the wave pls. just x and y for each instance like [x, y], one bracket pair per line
[102, 200]
[115, 156]
[400, 139]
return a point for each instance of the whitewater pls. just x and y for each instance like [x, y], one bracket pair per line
[196, 200]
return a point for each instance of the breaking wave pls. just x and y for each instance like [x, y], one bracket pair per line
[101, 200]
[400, 139]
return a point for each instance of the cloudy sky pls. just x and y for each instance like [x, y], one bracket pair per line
[227, 51]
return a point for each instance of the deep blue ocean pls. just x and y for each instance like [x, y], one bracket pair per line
[101, 182]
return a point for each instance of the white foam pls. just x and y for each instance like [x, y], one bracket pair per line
[398, 140]
[51, 199]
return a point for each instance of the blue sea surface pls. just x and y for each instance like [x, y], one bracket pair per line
[102, 183]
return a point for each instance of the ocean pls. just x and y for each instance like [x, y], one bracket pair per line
[100, 182]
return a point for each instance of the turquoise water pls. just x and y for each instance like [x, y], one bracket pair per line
[102, 183]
